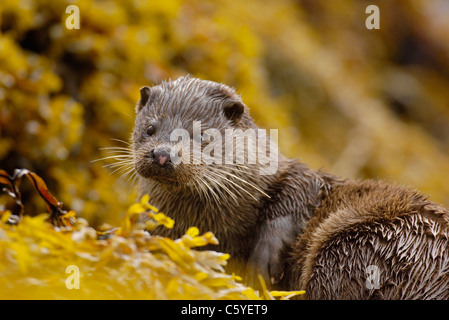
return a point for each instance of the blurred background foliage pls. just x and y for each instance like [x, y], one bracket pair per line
[356, 102]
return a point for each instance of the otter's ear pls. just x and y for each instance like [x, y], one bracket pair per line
[233, 110]
[145, 94]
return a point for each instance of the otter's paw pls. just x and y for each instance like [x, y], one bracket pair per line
[274, 237]
[266, 261]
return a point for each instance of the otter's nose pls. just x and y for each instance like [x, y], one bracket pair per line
[160, 156]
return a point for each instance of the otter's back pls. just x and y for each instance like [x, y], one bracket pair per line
[374, 240]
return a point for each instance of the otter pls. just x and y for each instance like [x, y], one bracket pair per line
[300, 228]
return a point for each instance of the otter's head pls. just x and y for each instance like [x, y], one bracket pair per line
[176, 117]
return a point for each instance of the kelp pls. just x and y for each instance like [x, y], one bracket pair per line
[38, 255]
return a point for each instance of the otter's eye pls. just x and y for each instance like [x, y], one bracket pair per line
[150, 130]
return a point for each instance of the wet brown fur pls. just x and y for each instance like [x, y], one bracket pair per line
[315, 231]
[363, 223]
